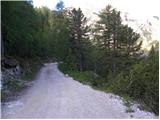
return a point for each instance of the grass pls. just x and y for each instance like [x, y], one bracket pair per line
[29, 76]
[83, 77]
[128, 103]
[86, 77]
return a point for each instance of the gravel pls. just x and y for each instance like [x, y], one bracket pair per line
[54, 95]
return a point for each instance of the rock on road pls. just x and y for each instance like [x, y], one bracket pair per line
[54, 95]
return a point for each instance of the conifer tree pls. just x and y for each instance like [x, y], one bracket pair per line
[117, 40]
[78, 36]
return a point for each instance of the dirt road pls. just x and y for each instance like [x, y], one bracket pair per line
[53, 95]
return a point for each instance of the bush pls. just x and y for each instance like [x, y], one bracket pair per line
[145, 83]
[120, 84]
[142, 83]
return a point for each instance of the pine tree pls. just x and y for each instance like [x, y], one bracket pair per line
[78, 36]
[117, 40]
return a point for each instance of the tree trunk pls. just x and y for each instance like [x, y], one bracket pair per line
[2, 45]
[81, 62]
[114, 68]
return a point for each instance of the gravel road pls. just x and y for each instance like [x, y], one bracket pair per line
[54, 95]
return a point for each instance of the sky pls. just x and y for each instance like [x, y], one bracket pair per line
[140, 10]
[137, 8]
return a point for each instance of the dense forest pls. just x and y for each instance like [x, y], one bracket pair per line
[107, 55]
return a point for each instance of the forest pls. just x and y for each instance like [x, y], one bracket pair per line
[106, 55]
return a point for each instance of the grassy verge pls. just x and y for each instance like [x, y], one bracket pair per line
[85, 77]
[99, 83]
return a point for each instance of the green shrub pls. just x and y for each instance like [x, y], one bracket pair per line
[120, 84]
[141, 83]
[145, 83]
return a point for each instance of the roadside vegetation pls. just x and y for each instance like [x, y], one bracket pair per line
[139, 84]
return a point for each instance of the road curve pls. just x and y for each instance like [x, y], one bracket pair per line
[54, 95]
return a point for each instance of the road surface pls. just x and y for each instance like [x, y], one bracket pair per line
[54, 95]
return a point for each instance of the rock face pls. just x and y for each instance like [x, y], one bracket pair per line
[12, 73]
[9, 63]
[11, 70]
